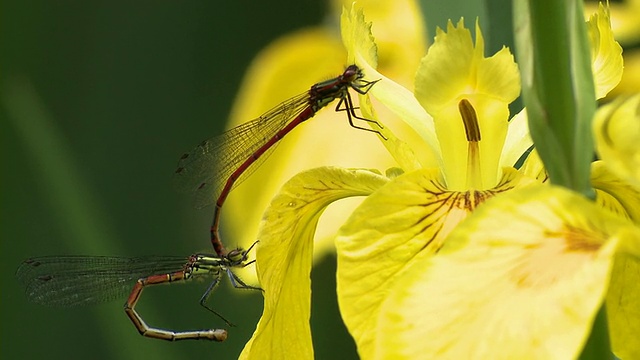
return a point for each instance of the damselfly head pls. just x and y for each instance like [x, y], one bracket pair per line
[352, 73]
[236, 256]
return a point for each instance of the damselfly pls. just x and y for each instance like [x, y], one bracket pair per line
[217, 165]
[83, 280]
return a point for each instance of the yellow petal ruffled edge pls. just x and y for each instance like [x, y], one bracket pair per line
[454, 66]
[606, 53]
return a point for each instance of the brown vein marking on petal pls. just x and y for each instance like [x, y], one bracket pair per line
[583, 240]
[444, 210]
[557, 255]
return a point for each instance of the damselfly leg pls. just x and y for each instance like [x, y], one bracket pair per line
[84, 280]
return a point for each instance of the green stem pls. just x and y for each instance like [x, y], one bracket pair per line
[557, 84]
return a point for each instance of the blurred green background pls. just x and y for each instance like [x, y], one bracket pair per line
[98, 101]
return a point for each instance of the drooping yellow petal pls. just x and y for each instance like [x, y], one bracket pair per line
[623, 307]
[411, 215]
[617, 133]
[284, 257]
[522, 278]
[606, 53]
[623, 298]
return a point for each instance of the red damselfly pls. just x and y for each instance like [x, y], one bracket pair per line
[217, 165]
[67, 281]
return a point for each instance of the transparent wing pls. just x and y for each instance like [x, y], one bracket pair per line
[205, 169]
[83, 280]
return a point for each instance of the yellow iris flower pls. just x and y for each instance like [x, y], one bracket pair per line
[459, 255]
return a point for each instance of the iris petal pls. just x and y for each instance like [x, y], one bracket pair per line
[409, 216]
[523, 277]
[284, 257]
[606, 53]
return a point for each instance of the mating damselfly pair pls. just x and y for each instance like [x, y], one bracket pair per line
[211, 171]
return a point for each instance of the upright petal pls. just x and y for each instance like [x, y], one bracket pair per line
[606, 53]
[453, 71]
[361, 48]
[518, 140]
[454, 66]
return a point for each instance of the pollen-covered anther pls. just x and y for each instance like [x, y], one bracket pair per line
[470, 120]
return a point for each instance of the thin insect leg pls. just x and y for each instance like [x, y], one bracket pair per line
[238, 283]
[351, 114]
[251, 247]
[349, 108]
[245, 253]
[364, 88]
[207, 294]
[156, 333]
